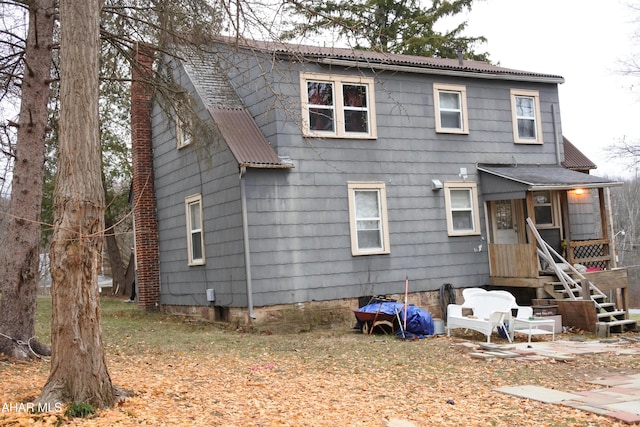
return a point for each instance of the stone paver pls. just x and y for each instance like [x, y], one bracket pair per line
[619, 398]
[535, 392]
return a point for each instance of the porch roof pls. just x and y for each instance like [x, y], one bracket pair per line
[512, 182]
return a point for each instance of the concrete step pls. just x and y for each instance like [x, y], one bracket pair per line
[605, 329]
[621, 322]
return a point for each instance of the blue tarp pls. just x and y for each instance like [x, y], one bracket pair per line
[419, 321]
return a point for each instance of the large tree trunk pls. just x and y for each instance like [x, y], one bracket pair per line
[20, 255]
[78, 369]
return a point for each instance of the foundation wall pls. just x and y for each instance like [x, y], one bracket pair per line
[302, 317]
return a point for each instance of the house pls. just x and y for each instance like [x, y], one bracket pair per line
[332, 175]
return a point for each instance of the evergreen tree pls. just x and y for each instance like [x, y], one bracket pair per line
[395, 26]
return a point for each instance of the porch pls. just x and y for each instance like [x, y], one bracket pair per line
[548, 231]
[518, 266]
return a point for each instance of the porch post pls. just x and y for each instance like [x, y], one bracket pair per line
[604, 225]
[530, 214]
[612, 242]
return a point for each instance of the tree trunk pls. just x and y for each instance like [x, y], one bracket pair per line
[115, 259]
[130, 274]
[19, 266]
[78, 369]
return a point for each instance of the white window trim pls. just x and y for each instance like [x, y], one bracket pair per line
[188, 202]
[472, 186]
[338, 105]
[514, 116]
[462, 90]
[183, 136]
[555, 214]
[382, 192]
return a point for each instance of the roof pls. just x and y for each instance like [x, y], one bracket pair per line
[574, 158]
[240, 132]
[506, 182]
[385, 60]
[245, 140]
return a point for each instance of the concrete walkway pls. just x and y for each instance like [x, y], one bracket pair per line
[619, 400]
[618, 396]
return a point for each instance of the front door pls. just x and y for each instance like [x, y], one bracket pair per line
[505, 221]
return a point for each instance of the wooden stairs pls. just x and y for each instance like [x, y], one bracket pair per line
[609, 316]
[573, 285]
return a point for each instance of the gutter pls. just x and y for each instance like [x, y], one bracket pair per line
[441, 72]
[247, 253]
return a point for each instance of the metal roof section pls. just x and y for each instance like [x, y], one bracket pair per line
[383, 60]
[574, 158]
[245, 140]
[500, 182]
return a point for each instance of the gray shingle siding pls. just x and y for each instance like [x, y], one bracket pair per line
[299, 220]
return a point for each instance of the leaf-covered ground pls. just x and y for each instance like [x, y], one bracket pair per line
[192, 374]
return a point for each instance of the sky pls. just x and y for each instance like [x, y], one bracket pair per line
[584, 41]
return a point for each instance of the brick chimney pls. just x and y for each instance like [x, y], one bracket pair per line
[144, 197]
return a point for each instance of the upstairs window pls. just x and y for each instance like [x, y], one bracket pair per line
[450, 103]
[183, 133]
[195, 237]
[337, 106]
[527, 126]
[461, 202]
[368, 218]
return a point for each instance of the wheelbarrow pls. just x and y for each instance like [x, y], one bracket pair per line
[369, 321]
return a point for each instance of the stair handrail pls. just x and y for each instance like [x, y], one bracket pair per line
[543, 250]
[575, 271]
[582, 277]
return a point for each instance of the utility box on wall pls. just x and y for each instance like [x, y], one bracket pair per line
[211, 295]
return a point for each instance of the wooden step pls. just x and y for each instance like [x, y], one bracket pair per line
[605, 305]
[611, 313]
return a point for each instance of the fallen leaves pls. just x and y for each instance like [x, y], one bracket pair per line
[202, 376]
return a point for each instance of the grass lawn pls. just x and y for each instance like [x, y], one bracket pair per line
[191, 373]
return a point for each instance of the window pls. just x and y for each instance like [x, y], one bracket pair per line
[450, 103]
[368, 218]
[338, 106]
[543, 208]
[195, 238]
[460, 200]
[183, 135]
[525, 109]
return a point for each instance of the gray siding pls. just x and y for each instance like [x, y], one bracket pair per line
[299, 220]
[584, 215]
[299, 229]
[206, 167]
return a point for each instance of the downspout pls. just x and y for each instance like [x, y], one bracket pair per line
[556, 138]
[245, 232]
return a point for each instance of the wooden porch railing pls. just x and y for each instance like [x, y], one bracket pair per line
[513, 260]
[592, 253]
